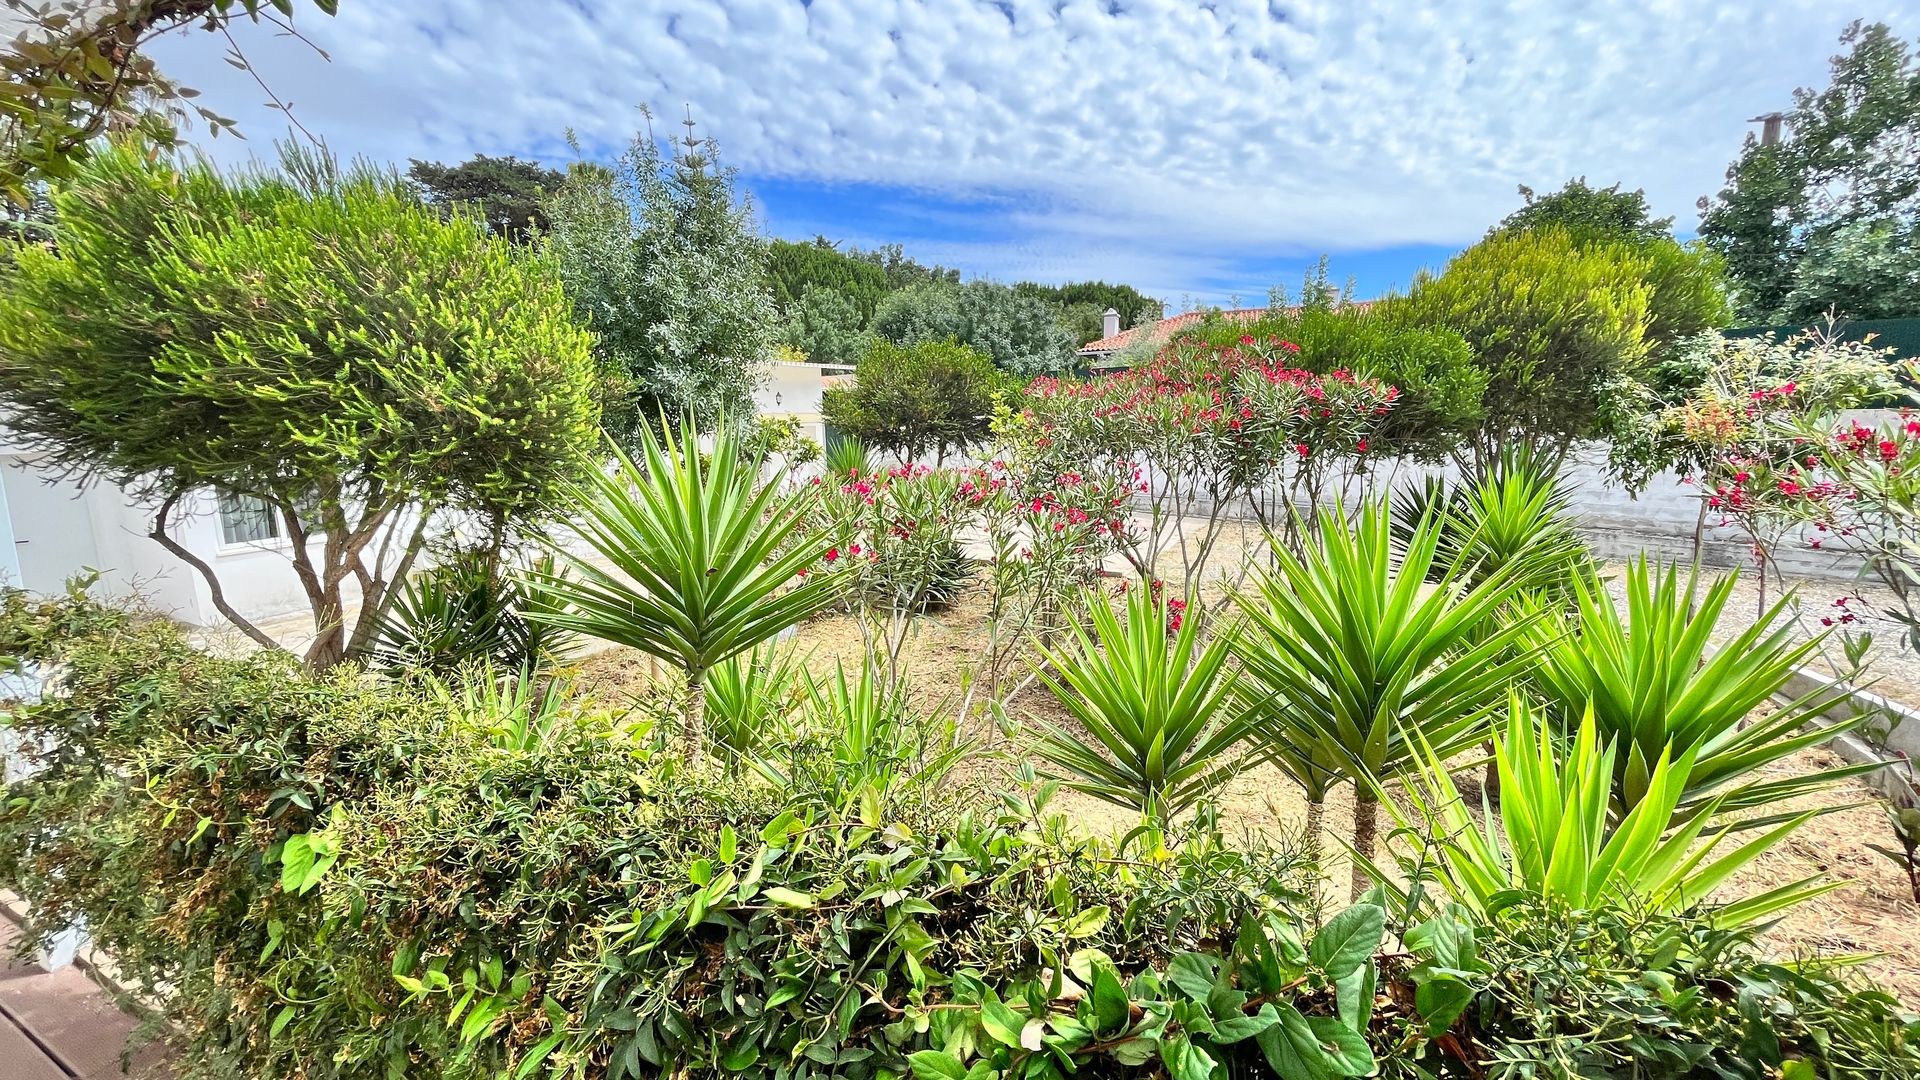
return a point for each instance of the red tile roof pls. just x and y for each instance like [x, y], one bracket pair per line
[1166, 327]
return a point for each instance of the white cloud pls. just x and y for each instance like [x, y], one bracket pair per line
[1156, 139]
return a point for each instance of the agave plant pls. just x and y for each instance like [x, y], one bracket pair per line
[1655, 685]
[1553, 835]
[1356, 667]
[1157, 707]
[750, 697]
[693, 560]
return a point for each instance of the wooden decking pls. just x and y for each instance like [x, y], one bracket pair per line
[61, 1025]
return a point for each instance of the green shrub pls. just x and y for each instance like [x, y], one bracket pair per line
[324, 877]
[469, 609]
[912, 400]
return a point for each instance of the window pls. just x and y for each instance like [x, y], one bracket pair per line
[246, 520]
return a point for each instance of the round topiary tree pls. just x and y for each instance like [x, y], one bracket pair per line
[311, 337]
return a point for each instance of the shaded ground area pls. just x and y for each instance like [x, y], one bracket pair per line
[62, 1026]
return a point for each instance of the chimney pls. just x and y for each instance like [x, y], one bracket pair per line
[1109, 323]
[1770, 129]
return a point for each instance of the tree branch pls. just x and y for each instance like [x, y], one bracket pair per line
[159, 535]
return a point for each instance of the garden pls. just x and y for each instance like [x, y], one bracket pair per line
[1258, 708]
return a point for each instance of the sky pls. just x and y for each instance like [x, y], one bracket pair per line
[1196, 150]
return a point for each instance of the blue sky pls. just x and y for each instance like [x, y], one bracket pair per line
[1191, 149]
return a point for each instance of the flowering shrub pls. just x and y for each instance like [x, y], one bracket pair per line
[1204, 426]
[896, 532]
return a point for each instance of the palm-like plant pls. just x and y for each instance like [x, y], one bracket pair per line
[1158, 707]
[1655, 686]
[1356, 667]
[750, 697]
[698, 559]
[1555, 837]
[1518, 510]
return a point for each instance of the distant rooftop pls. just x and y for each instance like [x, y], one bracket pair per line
[1166, 328]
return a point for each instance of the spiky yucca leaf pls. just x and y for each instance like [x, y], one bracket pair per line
[1359, 664]
[1553, 835]
[1157, 708]
[698, 560]
[1654, 683]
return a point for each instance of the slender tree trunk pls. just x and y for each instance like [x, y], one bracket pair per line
[1366, 826]
[160, 536]
[1316, 823]
[694, 727]
[1699, 532]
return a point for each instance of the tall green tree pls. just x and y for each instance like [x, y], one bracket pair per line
[826, 325]
[505, 192]
[1019, 332]
[1081, 305]
[1687, 287]
[1558, 326]
[662, 260]
[312, 338]
[795, 270]
[902, 270]
[1824, 218]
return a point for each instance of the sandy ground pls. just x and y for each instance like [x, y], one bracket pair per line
[1874, 913]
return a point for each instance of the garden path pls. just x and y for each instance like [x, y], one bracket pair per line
[61, 1025]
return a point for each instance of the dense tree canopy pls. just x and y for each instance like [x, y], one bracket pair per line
[797, 269]
[1825, 217]
[902, 270]
[932, 396]
[1686, 283]
[1019, 332]
[825, 324]
[1080, 305]
[662, 260]
[1559, 328]
[505, 192]
[312, 338]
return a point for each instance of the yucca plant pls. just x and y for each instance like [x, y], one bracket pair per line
[517, 712]
[848, 458]
[469, 609]
[1517, 510]
[1357, 666]
[693, 560]
[1656, 685]
[1554, 836]
[1157, 706]
[864, 740]
[750, 697]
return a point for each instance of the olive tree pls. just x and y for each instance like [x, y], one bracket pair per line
[311, 337]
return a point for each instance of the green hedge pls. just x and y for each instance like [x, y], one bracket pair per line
[346, 877]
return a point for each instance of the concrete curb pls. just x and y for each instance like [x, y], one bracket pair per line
[1897, 778]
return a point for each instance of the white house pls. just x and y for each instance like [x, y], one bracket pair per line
[51, 530]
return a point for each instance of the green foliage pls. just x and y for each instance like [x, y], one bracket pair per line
[1656, 687]
[901, 270]
[1441, 387]
[505, 192]
[1589, 213]
[1516, 512]
[1823, 218]
[1017, 331]
[896, 532]
[1156, 704]
[1559, 327]
[751, 698]
[327, 878]
[77, 69]
[826, 325]
[693, 562]
[313, 338]
[1541, 990]
[662, 260]
[848, 459]
[1081, 306]
[1555, 836]
[909, 400]
[797, 270]
[466, 610]
[1364, 666]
